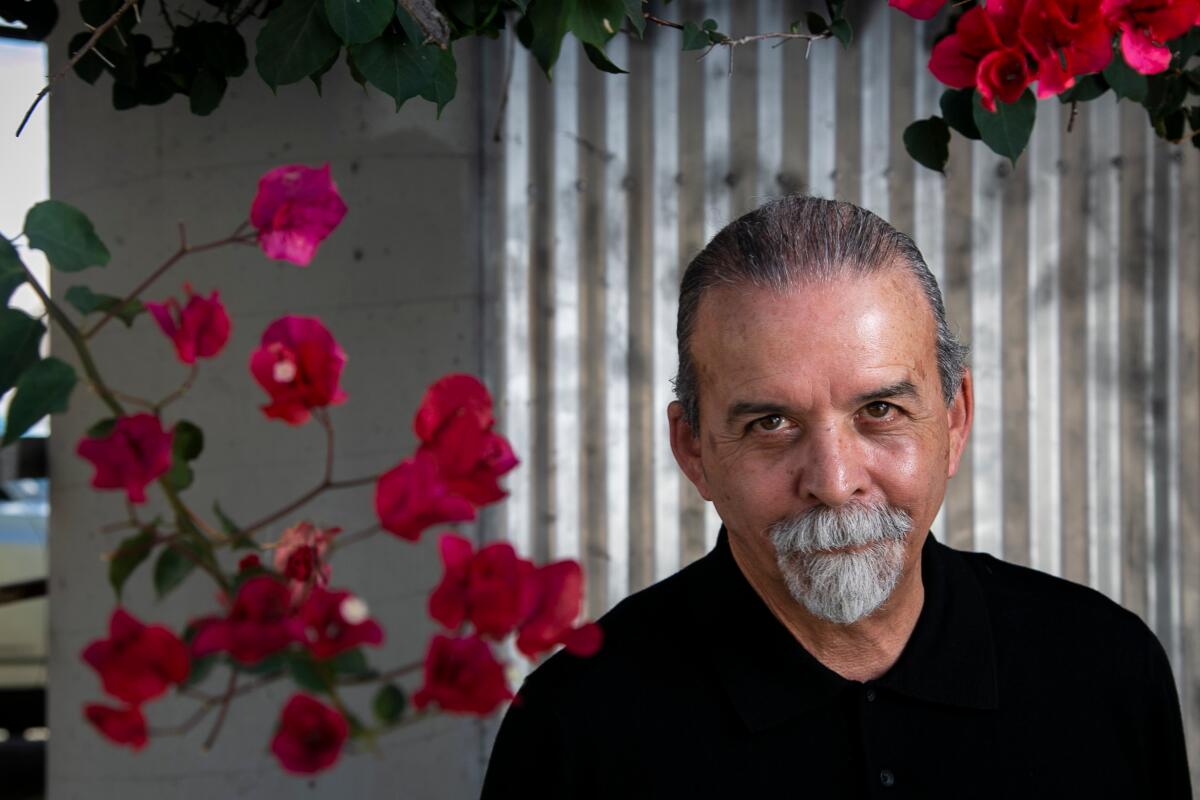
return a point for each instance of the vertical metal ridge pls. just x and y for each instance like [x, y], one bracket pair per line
[543, 146]
[770, 106]
[1014, 363]
[796, 172]
[616, 327]
[666, 485]
[822, 119]
[902, 70]
[1103, 384]
[987, 450]
[1153, 399]
[514, 315]
[875, 46]
[848, 125]
[1042, 297]
[1171, 334]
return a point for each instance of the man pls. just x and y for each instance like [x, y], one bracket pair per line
[828, 647]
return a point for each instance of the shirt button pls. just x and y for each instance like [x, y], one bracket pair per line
[887, 778]
[870, 695]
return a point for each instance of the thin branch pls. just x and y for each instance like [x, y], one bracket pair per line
[225, 700]
[180, 392]
[383, 676]
[209, 703]
[1187, 138]
[88, 45]
[736, 41]
[354, 538]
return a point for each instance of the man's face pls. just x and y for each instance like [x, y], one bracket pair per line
[826, 397]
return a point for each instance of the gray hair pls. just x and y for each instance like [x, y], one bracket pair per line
[794, 241]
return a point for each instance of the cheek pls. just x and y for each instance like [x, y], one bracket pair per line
[908, 469]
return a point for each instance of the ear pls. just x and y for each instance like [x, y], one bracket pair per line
[685, 444]
[959, 416]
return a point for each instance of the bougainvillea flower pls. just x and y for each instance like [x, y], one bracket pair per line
[412, 497]
[295, 209]
[299, 364]
[135, 452]
[918, 9]
[1147, 25]
[1066, 38]
[494, 589]
[310, 735]
[198, 329]
[451, 397]
[124, 726]
[137, 662]
[461, 674]
[260, 622]
[300, 556]
[558, 603]
[471, 460]
[335, 622]
[984, 53]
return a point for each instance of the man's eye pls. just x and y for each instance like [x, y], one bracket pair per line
[771, 422]
[879, 410]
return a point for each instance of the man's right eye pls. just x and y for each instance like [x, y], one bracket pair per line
[771, 422]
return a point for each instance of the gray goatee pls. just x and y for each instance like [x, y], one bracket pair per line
[841, 587]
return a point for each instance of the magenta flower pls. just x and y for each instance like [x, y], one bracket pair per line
[299, 364]
[199, 329]
[134, 453]
[412, 496]
[335, 622]
[295, 209]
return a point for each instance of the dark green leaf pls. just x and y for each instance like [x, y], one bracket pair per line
[65, 235]
[817, 25]
[1193, 115]
[20, 335]
[1185, 47]
[1087, 88]
[388, 704]
[295, 42]
[594, 21]
[319, 75]
[44, 388]
[1164, 94]
[1192, 76]
[351, 663]
[207, 90]
[96, 12]
[188, 442]
[308, 674]
[841, 30]
[1171, 129]
[172, 568]
[545, 25]
[958, 109]
[1007, 130]
[600, 60]
[404, 70]
[1124, 80]
[86, 301]
[201, 668]
[928, 142]
[12, 273]
[358, 21]
[637, 18]
[103, 428]
[276, 662]
[90, 67]
[222, 48]
[694, 37]
[129, 555]
[180, 475]
[836, 8]
[227, 525]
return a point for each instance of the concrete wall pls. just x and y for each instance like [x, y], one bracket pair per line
[398, 284]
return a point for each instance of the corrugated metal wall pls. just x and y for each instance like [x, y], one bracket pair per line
[1075, 277]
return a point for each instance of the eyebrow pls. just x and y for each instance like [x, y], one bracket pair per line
[897, 389]
[744, 408]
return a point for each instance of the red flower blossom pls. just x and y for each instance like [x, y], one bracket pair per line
[259, 623]
[310, 735]
[335, 622]
[249, 563]
[450, 397]
[124, 726]
[552, 622]
[1066, 38]
[300, 557]
[200, 329]
[461, 674]
[295, 209]
[981, 53]
[493, 588]
[1147, 25]
[137, 662]
[412, 497]
[135, 452]
[918, 9]
[299, 364]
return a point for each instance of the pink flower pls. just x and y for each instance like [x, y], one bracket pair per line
[552, 622]
[984, 52]
[494, 589]
[412, 497]
[259, 623]
[1147, 25]
[295, 209]
[461, 674]
[201, 328]
[299, 364]
[124, 726]
[310, 736]
[918, 9]
[136, 662]
[335, 622]
[1066, 38]
[300, 557]
[135, 452]
[452, 396]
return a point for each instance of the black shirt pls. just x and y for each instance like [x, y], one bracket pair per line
[1014, 684]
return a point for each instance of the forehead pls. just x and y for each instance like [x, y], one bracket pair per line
[838, 335]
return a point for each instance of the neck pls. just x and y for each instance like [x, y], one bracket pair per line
[860, 651]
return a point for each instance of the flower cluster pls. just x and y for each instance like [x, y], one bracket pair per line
[1004, 46]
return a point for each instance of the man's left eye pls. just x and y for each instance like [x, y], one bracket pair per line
[878, 410]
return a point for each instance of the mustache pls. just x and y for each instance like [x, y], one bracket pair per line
[828, 528]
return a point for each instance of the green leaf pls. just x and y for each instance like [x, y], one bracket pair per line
[227, 525]
[694, 37]
[841, 30]
[129, 555]
[208, 88]
[172, 568]
[636, 17]
[294, 43]
[358, 21]
[545, 25]
[600, 60]
[222, 48]
[12, 273]
[1185, 47]
[403, 70]
[307, 673]
[388, 704]
[836, 8]
[90, 67]
[102, 428]
[188, 442]
[817, 25]
[1125, 81]
[1007, 130]
[928, 142]
[1087, 88]
[201, 668]
[958, 109]
[65, 235]
[594, 22]
[20, 335]
[1170, 127]
[276, 662]
[86, 301]
[319, 75]
[180, 475]
[351, 663]
[44, 388]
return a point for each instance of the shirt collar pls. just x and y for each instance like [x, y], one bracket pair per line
[770, 677]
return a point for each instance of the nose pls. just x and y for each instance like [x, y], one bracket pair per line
[833, 471]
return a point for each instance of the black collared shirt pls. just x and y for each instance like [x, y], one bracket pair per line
[1014, 684]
